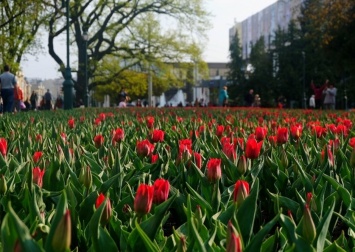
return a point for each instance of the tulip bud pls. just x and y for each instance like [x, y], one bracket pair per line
[144, 199]
[284, 159]
[62, 235]
[242, 165]
[241, 191]
[182, 245]
[106, 215]
[3, 185]
[233, 238]
[198, 217]
[214, 171]
[308, 229]
[85, 177]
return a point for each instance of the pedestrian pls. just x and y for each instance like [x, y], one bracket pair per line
[34, 100]
[257, 101]
[330, 93]
[312, 102]
[18, 98]
[249, 98]
[48, 100]
[8, 83]
[318, 93]
[223, 97]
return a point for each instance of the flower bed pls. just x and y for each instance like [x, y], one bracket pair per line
[177, 180]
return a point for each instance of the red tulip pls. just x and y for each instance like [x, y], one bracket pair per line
[282, 135]
[157, 136]
[144, 199]
[39, 138]
[272, 140]
[352, 142]
[144, 148]
[161, 190]
[106, 214]
[319, 131]
[198, 159]
[219, 131]
[241, 191]
[37, 156]
[154, 158]
[260, 133]
[118, 135]
[99, 140]
[37, 176]
[150, 122]
[214, 171]
[230, 151]
[71, 123]
[253, 148]
[235, 244]
[102, 116]
[3, 146]
[296, 131]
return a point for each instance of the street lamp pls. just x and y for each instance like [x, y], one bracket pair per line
[68, 83]
[86, 91]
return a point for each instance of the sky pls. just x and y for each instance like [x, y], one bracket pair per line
[224, 15]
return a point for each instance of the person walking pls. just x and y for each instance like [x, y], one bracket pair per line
[8, 83]
[330, 93]
[18, 96]
[223, 97]
[312, 102]
[34, 100]
[249, 98]
[48, 100]
[318, 93]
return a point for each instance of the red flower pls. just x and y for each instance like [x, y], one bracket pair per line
[235, 244]
[71, 123]
[282, 135]
[260, 133]
[219, 131]
[241, 191]
[150, 122]
[296, 131]
[273, 140]
[230, 151]
[97, 121]
[37, 176]
[157, 136]
[118, 135]
[352, 142]
[198, 159]
[319, 131]
[63, 136]
[253, 148]
[214, 171]
[99, 141]
[154, 158]
[3, 146]
[161, 190]
[144, 199]
[144, 148]
[37, 156]
[102, 116]
[106, 214]
[39, 138]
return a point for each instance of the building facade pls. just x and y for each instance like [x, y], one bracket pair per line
[265, 23]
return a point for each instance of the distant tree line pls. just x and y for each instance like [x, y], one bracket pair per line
[319, 45]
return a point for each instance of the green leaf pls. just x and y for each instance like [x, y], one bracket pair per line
[13, 229]
[344, 194]
[322, 228]
[247, 211]
[256, 242]
[59, 212]
[149, 245]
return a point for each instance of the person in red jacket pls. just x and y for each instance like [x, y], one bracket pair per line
[18, 97]
[318, 93]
